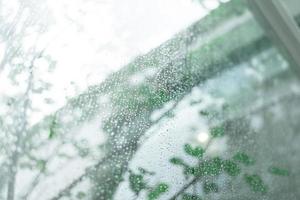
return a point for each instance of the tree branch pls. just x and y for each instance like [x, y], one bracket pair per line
[67, 190]
[20, 134]
[193, 181]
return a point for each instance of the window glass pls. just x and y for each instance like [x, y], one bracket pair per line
[292, 9]
[144, 100]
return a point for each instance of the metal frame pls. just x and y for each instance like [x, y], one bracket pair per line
[280, 25]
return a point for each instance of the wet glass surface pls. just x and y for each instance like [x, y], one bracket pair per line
[144, 100]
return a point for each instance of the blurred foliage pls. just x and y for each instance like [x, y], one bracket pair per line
[179, 65]
[137, 183]
[243, 158]
[196, 152]
[256, 183]
[217, 131]
[157, 191]
[52, 128]
[187, 196]
[278, 171]
[207, 172]
[210, 187]
[81, 195]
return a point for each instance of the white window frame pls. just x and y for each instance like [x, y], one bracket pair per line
[281, 26]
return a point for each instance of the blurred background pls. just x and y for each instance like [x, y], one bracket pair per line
[161, 99]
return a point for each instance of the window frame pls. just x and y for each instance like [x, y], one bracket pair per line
[281, 27]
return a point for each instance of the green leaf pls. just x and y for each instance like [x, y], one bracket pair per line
[243, 158]
[278, 171]
[136, 183]
[41, 165]
[192, 103]
[256, 183]
[187, 196]
[204, 113]
[177, 161]
[192, 171]
[52, 128]
[210, 188]
[157, 191]
[80, 195]
[163, 96]
[144, 171]
[213, 167]
[231, 168]
[217, 131]
[51, 133]
[210, 167]
[195, 152]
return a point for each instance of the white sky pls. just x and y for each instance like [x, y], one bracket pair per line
[90, 39]
[109, 34]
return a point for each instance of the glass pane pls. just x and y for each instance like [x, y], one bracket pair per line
[293, 9]
[292, 6]
[144, 100]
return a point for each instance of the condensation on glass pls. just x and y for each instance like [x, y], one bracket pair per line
[209, 112]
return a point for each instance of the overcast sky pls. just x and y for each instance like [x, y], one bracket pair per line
[90, 39]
